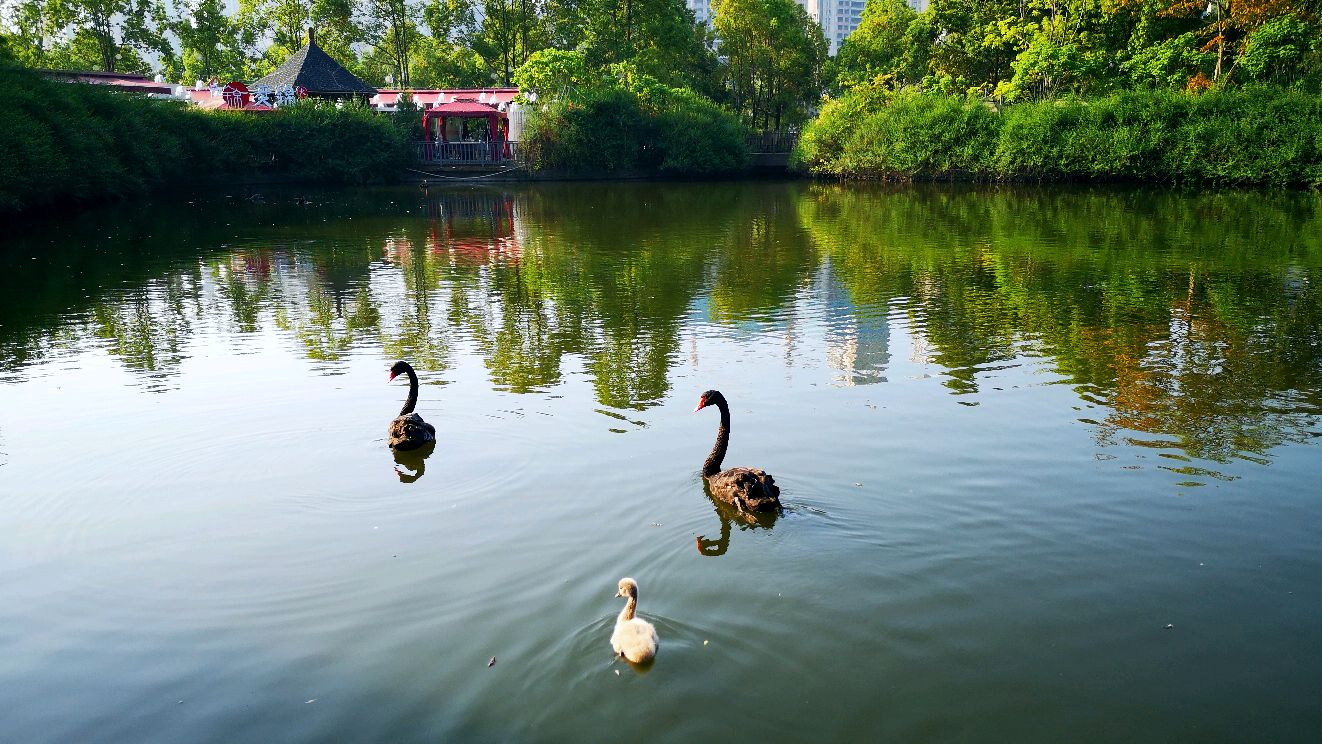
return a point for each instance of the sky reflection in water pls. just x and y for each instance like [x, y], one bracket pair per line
[1019, 431]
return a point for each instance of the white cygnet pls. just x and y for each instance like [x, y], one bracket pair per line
[634, 638]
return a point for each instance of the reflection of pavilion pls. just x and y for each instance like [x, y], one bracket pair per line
[475, 227]
[397, 248]
[254, 263]
[857, 338]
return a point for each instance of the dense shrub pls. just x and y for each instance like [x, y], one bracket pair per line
[61, 143]
[1255, 135]
[628, 122]
[697, 136]
[918, 134]
[323, 143]
[1115, 137]
[599, 130]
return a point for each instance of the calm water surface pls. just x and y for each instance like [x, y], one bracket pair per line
[1018, 433]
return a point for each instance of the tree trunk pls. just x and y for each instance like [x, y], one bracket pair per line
[107, 47]
[1220, 41]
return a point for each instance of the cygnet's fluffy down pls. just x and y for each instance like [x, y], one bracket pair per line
[634, 638]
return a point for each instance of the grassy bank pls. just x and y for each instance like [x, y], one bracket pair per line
[1255, 136]
[63, 144]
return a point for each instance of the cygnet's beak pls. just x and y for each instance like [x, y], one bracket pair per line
[618, 594]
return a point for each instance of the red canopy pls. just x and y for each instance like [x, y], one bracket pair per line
[469, 110]
[461, 108]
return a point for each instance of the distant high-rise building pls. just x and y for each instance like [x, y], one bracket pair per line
[838, 18]
[701, 10]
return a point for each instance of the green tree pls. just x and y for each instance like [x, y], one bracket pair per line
[979, 40]
[511, 31]
[1058, 57]
[893, 44]
[1284, 49]
[1166, 64]
[114, 34]
[442, 58]
[557, 73]
[443, 64]
[210, 42]
[391, 28]
[450, 20]
[1222, 29]
[286, 23]
[29, 27]
[659, 37]
[775, 53]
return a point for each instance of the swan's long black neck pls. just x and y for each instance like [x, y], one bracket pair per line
[713, 464]
[412, 400]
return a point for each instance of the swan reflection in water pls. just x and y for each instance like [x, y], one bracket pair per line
[730, 515]
[413, 460]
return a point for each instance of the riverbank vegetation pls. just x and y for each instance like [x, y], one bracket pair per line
[619, 120]
[1209, 91]
[1261, 135]
[1152, 90]
[652, 90]
[767, 66]
[643, 87]
[63, 144]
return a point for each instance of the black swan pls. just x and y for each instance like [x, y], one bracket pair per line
[748, 489]
[408, 431]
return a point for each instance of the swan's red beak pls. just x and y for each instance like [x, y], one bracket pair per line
[392, 377]
[701, 404]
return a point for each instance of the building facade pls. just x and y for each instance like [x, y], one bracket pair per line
[838, 18]
[701, 10]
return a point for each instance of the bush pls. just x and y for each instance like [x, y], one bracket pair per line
[1106, 138]
[601, 130]
[1256, 135]
[1285, 50]
[697, 136]
[634, 124]
[901, 136]
[62, 142]
[1260, 135]
[824, 140]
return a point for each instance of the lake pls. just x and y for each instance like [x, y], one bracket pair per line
[1049, 460]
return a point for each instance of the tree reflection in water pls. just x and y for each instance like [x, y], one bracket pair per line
[1191, 321]
[1190, 318]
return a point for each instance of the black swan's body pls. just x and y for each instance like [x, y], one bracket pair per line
[747, 489]
[408, 431]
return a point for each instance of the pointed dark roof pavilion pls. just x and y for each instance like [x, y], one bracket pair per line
[322, 76]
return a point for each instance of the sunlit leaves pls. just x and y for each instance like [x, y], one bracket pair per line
[775, 55]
